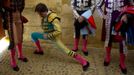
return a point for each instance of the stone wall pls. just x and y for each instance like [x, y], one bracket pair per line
[50, 3]
[56, 5]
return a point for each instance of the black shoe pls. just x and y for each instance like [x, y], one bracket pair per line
[16, 68]
[40, 53]
[86, 66]
[106, 63]
[123, 70]
[85, 53]
[23, 59]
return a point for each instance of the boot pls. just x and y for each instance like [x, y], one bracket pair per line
[38, 50]
[107, 57]
[20, 54]
[122, 63]
[85, 64]
[13, 61]
[84, 47]
[76, 43]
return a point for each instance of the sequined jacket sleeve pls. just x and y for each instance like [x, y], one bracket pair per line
[76, 15]
[93, 5]
[57, 28]
[99, 7]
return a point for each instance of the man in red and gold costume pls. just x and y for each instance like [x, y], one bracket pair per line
[113, 10]
[13, 9]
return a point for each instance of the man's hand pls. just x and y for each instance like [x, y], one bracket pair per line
[123, 8]
[124, 18]
[80, 19]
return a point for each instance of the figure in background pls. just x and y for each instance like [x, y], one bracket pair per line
[15, 20]
[125, 23]
[111, 12]
[80, 24]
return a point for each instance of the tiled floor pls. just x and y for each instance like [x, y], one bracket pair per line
[54, 62]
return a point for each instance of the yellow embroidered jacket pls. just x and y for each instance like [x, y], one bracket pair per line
[51, 26]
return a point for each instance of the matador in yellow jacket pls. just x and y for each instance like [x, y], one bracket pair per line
[52, 31]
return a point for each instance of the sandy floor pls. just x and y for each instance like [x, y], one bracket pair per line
[54, 62]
